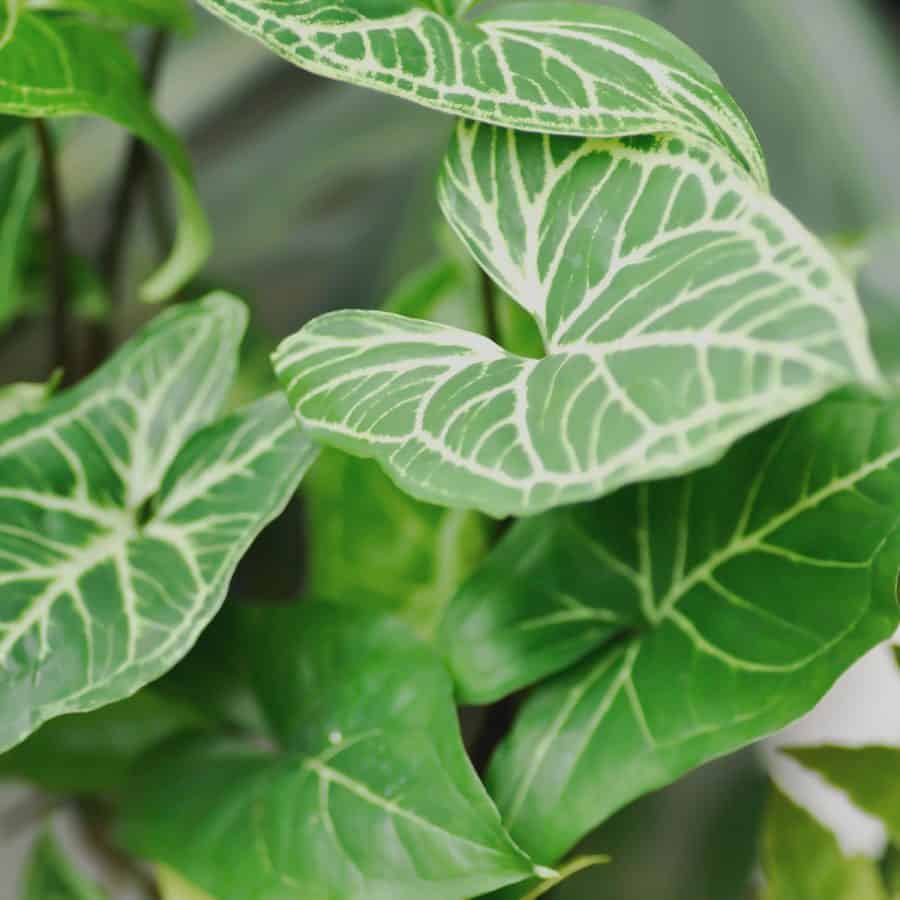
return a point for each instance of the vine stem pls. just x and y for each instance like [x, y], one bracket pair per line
[60, 317]
[134, 172]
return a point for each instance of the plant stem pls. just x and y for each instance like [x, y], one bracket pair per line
[61, 356]
[489, 304]
[134, 172]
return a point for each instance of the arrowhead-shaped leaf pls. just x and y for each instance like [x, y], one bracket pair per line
[121, 523]
[370, 794]
[803, 861]
[869, 775]
[681, 308]
[50, 875]
[556, 67]
[19, 173]
[64, 66]
[707, 611]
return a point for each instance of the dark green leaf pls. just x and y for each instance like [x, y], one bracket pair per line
[51, 876]
[92, 752]
[713, 585]
[370, 794]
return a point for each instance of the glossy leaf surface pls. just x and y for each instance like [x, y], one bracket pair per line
[681, 307]
[370, 793]
[122, 518]
[64, 66]
[710, 601]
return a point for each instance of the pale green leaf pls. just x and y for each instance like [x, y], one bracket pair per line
[803, 861]
[870, 776]
[703, 599]
[93, 752]
[19, 176]
[160, 13]
[50, 875]
[681, 307]
[173, 887]
[9, 18]
[553, 67]
[121, 524]
[63, 66]
[370, 793]
[25, 397]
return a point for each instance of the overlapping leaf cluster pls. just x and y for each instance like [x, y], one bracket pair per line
[662, 344]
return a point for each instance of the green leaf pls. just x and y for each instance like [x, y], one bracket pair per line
[869, 775]
[51, 876]
[19, 176]
[63, 66]
[559, 67]
[25, 397]
[802, 859]
[372, 545]
[124, 13]
[714, 584]
[93, 752]
[680, 305]
[173, 887]
[9, 18]
[121, 524]
[369, 795]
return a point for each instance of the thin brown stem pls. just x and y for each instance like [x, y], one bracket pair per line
[60, 313]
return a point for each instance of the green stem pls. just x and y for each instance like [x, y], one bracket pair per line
[60, 314]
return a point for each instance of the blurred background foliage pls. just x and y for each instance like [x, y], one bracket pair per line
[321, 196]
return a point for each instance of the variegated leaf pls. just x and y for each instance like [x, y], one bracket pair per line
[720, 606]
[558, 67]
[681, 308]
[65, 66]
[121, 523]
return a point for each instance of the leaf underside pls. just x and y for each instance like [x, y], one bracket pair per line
[370, 793]
[701, 613]
[122, 517]
[681, 308]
